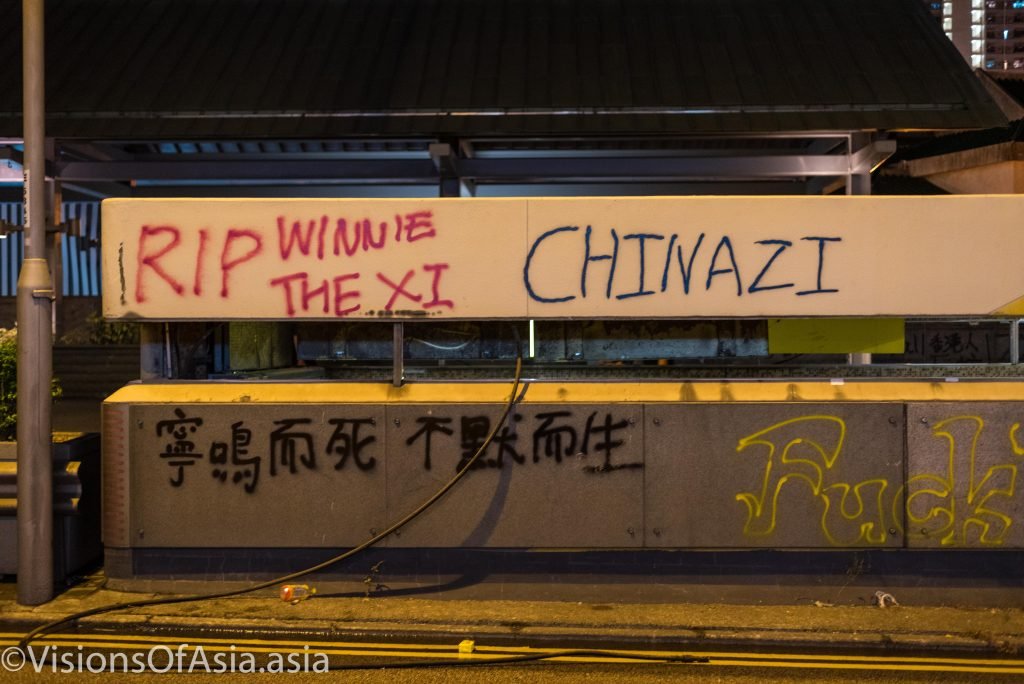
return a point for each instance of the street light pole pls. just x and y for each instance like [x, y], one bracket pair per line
[35, 338]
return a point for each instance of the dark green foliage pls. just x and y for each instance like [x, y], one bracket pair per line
[9, 384]
[95, 330]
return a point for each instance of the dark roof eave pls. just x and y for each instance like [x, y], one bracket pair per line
[645, 121]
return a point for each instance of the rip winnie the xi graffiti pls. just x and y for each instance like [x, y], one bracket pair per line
[557, 258]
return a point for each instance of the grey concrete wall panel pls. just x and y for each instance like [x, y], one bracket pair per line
[963, 485]
[776, 475]
[555, 476]
[256, 476]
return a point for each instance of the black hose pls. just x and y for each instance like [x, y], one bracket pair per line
[527, 658]
[51, 626]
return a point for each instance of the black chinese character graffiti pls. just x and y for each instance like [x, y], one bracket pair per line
[430, 425]
[606, 444]
[181, 451]
[289, 448]
[246, 470]
[474, 431]
[345, 442]
[558, 441]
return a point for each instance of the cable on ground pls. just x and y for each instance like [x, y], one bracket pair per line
[48, 627]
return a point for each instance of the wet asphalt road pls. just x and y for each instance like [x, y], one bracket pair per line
[64, 658]
[547, 672]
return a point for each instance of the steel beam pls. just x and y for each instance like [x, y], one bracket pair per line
[489, 169]
[100, 190]
[291, 190]
[650, 188]
[871, 156]
[627, 168]
[264, 169]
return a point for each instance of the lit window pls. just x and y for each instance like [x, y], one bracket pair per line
[947, 26]
[1006, 34]
[1018, 4]
[977, 46]
[975, 31]
[990, 64]
[976, 61]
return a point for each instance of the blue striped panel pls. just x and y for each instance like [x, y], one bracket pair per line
[80, 256]
[11, 249]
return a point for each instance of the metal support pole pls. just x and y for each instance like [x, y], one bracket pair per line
[398, 356]
[1015, 341]
[35, 339]
[860, 184]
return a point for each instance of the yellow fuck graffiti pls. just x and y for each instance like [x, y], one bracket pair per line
[964, 506]
[960, 506]
[852, 513]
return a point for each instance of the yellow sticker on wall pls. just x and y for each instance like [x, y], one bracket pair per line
[836, 336]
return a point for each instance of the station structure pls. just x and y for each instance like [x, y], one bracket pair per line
[340, 224]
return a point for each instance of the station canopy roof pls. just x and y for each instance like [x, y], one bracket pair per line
[331, 69]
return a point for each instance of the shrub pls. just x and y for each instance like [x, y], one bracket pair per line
[9, 384]
[95, 330]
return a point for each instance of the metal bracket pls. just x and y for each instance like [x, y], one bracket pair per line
[44, 294]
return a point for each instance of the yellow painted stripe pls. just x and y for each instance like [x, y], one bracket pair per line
[780, 656]
[611, 658]
[191, 645]
[489, 652]
[578, 392]
[123, 639]
[865, 666]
